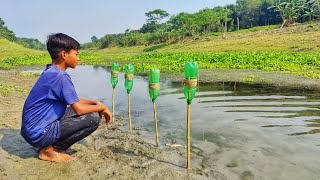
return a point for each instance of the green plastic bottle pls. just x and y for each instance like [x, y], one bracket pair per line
[129, 72]
[114, 74]
[190, 80]
[154, 86]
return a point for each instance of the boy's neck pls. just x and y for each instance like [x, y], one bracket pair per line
[61, 66]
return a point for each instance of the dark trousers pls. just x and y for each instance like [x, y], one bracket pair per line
[74, 128]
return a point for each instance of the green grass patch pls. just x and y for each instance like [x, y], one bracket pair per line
[258, 28]
[6, 90]
[85, 58]
[29, 74]
[12, 62]
[92, 58]
[301, 63]
[9, 49]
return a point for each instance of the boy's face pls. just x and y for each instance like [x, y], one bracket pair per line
[71, 58]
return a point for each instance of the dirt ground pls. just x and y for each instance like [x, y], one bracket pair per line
[110, 152]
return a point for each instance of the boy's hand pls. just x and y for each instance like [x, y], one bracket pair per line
[106, 114]
[98, 103]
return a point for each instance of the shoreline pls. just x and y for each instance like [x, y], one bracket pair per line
[249, 77]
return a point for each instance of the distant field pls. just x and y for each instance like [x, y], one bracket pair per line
[12, 55]
[291, 50]
[10, 49]
[298, 38]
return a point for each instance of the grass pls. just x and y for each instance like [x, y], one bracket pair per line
[13, 55]
[29, 74]
[299, 38]
[6, 89]
[292, 50]
[10, 49]
[301, 63]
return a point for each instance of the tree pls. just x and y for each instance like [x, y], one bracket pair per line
[94, 38]
[248, 11]
[5, 32]
[183, 23]
[289, 10]
[154, 20]
[268, 15]
[312, 9]
[156, 16]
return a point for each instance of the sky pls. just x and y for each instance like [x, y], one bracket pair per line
[82, 19]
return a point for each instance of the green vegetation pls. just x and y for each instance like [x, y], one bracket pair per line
[265, 50]
[161, 28]
[11, 62]
[11, 49]
[247, 175]
[13, 55]
[302, 63]
[24, 60]
[6, 90]
[29, 74]
[221, 37]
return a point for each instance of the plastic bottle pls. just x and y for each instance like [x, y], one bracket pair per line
[129, 72]
[190, 77]
[114, 74]
[154, 86]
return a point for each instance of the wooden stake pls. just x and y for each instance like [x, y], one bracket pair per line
[188, 137]
[112, 104]
[155, 122]
[129, 114]
[198, 84]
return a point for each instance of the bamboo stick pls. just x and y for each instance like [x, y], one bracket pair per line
[188, 137]
[129, 113]
[155, 123]
[112, 104]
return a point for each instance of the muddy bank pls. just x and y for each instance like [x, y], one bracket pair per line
[109, 153]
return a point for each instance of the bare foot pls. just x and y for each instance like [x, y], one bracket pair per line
[66, 156]
[52, 154]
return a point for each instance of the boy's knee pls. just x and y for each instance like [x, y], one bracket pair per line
[94, 119]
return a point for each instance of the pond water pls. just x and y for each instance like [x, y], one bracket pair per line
[266, 132]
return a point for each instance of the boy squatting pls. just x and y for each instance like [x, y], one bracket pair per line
[47, 122]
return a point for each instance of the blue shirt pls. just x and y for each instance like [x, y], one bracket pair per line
[45, 105]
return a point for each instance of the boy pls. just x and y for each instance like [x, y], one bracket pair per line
[47, 123]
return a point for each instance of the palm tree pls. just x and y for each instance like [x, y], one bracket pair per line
[289, 10]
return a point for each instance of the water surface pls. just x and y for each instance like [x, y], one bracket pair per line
[270, 132]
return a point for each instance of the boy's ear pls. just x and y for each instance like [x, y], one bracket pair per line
[63, 54]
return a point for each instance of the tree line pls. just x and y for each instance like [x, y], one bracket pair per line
[26, 42]
[161, 27]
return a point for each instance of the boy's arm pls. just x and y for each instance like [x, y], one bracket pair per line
[81, 108]
[91, 102]
[87, 106]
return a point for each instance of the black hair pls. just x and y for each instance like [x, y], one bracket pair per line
[60, 42]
